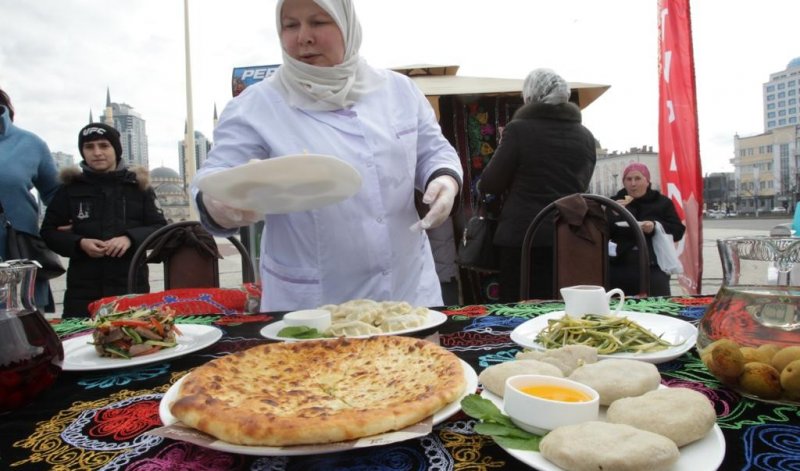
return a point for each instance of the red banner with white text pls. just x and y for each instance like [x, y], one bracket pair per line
[678, 141]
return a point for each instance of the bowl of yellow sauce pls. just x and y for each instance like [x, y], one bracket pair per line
[538, 403]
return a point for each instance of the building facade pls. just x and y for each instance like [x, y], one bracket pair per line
[133, 133]
[168, 186]
[607, 178]
[62, 159]
[781, 95]
[719, 191]
[201, 148]
[766, 169]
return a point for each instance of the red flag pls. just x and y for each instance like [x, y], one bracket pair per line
[679, 149]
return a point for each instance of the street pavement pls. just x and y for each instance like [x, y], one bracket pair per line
[713, 229]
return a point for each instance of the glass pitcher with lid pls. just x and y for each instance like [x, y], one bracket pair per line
[759, 301]
[31, 353]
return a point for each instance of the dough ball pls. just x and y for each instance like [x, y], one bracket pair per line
[566, 358]
[615, 379]
[680, 414]
[494, 377]
[593, 446]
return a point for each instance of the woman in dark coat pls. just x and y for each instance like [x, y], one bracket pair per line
[99, 216]
[648, 206]
[545, 153]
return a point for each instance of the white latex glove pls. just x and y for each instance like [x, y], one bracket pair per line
[440, 196]
[229, 217]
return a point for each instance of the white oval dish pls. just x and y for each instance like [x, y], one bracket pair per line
[539, 415]
[319, 319]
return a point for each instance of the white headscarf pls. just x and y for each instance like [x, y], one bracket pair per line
[311, 87]
[545, 86]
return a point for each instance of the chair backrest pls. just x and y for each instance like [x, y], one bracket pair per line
[581, 259]
[187, 266]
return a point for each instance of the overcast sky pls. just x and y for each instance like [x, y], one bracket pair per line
[58, 56]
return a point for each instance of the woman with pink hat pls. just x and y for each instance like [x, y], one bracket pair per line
[649, 207]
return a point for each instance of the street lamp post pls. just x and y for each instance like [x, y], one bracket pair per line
[190, 163]
[614, 183]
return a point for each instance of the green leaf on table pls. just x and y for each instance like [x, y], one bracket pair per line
[488, 428]
[300, 332]
[483, 409]
[527, 444]
[498, 425]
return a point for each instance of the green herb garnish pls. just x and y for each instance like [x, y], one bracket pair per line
[300, 332]
[494, 423]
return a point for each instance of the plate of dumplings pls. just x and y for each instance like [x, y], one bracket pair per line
[362, 318]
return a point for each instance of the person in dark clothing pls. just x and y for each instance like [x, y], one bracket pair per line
[545, 153]
[102, 212]
[648, 206]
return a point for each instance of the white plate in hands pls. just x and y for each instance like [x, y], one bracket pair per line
[284, 184]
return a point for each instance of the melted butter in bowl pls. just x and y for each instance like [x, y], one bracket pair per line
[554, 392]
[539, 403]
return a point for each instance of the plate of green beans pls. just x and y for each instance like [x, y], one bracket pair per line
[654, 338]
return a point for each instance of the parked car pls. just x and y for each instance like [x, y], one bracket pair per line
[779, 209]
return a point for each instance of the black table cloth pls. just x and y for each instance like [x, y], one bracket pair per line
[101, 419]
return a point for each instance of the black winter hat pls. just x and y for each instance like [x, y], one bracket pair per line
[97, 131]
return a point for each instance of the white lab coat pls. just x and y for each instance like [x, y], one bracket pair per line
[362, 246]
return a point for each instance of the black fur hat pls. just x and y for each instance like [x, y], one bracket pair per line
[97, 131]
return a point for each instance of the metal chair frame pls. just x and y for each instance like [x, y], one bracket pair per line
[550, 210]
[248, 269]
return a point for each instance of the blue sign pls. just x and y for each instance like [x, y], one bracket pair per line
[243, 77]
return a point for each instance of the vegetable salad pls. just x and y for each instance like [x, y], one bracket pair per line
[134, 332]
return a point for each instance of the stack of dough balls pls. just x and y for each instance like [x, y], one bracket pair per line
[644, 425]
[367, 317]
[767, 371]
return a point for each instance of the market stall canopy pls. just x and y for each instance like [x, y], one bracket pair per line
[441, 80]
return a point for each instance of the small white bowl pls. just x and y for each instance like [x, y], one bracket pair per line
[539, 415]
[319, 319]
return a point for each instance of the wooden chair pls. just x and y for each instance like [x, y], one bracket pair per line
[581, 259]
[187, 265]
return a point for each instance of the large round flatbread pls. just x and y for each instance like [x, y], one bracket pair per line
[680, 414]
[614, 379]
[593, 446]
[319, 391]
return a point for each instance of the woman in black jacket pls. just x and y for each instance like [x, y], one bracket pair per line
[98, 217]
[545, 153]
[648, 206]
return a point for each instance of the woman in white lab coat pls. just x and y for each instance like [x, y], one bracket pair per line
[325, 99]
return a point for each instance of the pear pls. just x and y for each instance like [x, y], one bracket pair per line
[727, 361]
[761, 379]
[790, 380]
[751, 354]
[768, 350]
[785, 356]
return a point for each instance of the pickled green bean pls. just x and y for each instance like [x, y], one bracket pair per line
[608, 334]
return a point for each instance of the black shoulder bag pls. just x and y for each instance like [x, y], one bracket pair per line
[476, 249]
[21, 245]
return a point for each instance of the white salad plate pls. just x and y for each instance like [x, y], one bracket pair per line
[284, 184]
[705, 454]
[435, 318]
[681, 334]
[80, 355]
[443, 414]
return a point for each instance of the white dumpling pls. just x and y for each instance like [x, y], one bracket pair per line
[336, 312]
[367, 315]
[408, 321]
[395, 308]
[352, 329]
